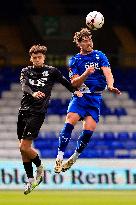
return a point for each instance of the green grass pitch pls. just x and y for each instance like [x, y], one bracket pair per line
[68, 198]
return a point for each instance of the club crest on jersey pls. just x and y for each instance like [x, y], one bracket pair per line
[45, 73]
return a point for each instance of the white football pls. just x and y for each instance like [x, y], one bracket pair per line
[94, 20]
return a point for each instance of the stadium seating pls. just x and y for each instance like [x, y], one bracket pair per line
[115, 136]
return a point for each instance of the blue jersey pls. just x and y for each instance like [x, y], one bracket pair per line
[79, 63]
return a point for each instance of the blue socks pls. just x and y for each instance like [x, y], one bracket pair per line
[65, 136]
[83, 140]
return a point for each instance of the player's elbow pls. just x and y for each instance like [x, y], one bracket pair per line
[75, 84]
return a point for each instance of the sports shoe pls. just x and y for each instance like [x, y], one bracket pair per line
[58, 166]
[30, 186]
[68, 164]
[39, 174]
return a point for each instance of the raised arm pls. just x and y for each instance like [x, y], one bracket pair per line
[77, 80]
[61, 79]
[67, 84]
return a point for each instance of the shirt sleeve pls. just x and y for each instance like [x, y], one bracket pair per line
[104, 62]
[24, 80]
[61, 79]
[73, 67]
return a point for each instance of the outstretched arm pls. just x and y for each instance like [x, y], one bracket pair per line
[67, 84]
[110, 80]
[61, 79]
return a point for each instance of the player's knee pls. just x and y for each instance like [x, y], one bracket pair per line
[89, 124]
[72, 118]
[23, 148]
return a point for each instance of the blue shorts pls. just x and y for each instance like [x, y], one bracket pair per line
[88, 105]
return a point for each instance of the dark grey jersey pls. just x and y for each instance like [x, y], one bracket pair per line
[40, 79]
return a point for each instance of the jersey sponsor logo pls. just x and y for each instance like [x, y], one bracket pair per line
[92, 64]
[39, 83]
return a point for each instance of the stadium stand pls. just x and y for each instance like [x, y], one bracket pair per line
[114, 137]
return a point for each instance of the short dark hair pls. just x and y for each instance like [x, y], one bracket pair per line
[79, 35]
[37, 49]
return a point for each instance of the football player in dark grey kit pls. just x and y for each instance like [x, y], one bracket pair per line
[37, 82]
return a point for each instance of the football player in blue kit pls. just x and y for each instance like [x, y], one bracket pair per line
[90, 71]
